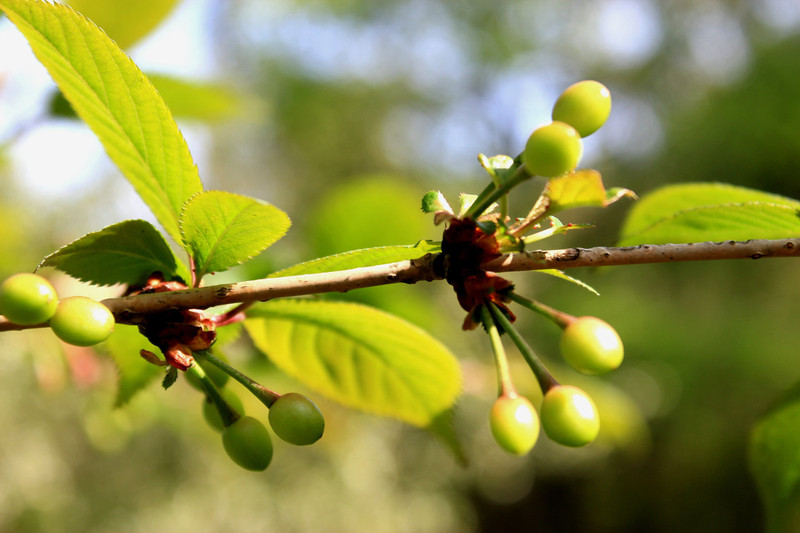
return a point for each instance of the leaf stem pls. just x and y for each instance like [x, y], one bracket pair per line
[543, 376]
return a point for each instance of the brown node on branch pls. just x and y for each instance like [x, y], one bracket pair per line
[465, 248]
[176, 332]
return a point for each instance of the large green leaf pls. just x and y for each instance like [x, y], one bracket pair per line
[126, 21]
[193, 100]
[222, 229]
[110, 93]
[361, 258]
[775, 463]
[126, 252]
[359, 356]
[134, 372]
[696, 212]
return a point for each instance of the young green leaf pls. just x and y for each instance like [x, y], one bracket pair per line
[110, 93]
[134, 372]
[126, 21]
[222, 229]
[695, 212]
[361, 258]
[359, 356]
[582, 188]
[126, 252]
[775, 463]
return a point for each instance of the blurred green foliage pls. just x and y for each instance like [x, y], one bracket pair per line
[363, 107]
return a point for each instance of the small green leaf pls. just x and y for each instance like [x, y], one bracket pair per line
[582, 188]
[126, 21]
[361, 258]
[560, 274]
[110, 93]
[359, 356]
[126, 252]
[710, 212]
[222, 229]
[134, 372]
[775, 463]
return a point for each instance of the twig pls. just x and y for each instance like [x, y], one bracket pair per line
[128, 309]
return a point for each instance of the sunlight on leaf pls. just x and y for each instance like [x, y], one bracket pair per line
[126, 21]
[359, 356]
[120, 105]
[126, 252]
[222, 229]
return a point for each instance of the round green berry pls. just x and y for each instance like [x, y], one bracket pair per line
[584, 105]
[552, 150]
[569, 416]
[211, 413]
[591, 346]
[248, 443]
[82, 321]
[296, 419]
[514, 424]
[27, 299]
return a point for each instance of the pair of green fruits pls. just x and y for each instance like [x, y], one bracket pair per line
[293, 417]
[556, 148]
[29, 299]
[568, 415]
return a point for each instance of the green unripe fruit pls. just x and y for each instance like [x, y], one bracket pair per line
[27, 299]
[82, 321]
[514, 424]
[552, 150]
[296, 419]
[211, 413]
[248, 444]
[591, 346]
[569, 416]
[584, 105]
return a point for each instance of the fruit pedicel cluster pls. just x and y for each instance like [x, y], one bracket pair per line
[482, 231]
[29, 299]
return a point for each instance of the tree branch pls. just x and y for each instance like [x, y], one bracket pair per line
[128, 309]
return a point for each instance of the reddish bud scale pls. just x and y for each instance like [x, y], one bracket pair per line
[178, 332]
[465, 247]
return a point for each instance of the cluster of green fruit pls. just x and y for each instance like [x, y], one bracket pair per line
[29, 299]
[293, 417]
[588, 344]
[556, 148]
[568, 415]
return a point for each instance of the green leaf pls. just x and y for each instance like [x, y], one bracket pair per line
[775, 463]
[126, 21]
[222, 229]
[126, 252]
[560, 274]
[359, 356]
[582, 188]
[710, 212]
[191, 100]
[134, 372]
[361, 258]
[110, 93]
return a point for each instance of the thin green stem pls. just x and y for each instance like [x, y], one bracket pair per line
[485, 200]
[543, 376]
[227, 413]
[504, 383]
[560, 318]
[265, 396]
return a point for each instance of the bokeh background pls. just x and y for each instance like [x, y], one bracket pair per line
[344, 113]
